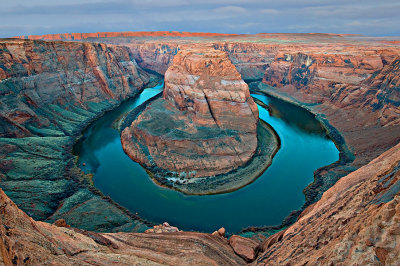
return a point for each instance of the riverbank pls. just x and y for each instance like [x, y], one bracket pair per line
[315, 189]
[268, 146]
[303, 151]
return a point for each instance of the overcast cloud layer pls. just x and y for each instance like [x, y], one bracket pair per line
[369, 17]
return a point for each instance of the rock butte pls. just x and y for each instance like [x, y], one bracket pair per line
[351, 80]
[205, 124]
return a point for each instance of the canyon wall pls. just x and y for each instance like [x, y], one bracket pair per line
[356, 222]
[24, 241]
[344, 79]
[49, 92]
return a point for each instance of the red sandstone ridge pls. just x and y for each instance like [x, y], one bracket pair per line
[204, 83]
[356, 222]
[204, 125]
[82, 36]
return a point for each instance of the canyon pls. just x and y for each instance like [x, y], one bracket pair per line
[50, 90]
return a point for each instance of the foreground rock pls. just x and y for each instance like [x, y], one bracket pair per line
[24, 241]
[244, 247]
[162, 228]
[355, 222]
[205, 124]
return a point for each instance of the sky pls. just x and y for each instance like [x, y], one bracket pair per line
[368, 17]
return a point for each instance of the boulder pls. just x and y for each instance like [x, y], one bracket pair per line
[244, 247]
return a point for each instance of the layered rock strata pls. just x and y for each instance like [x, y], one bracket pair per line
[49, 91]
[205, 124]
[24, 241]
[340, 78]
[355, 222]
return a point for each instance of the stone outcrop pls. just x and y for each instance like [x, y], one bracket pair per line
[205, 124]
[24, 241]
[355, 222]
[49, 92]
[162, 228]
[244, 247]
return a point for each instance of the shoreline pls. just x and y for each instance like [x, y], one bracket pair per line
[345, 157]
[264, 160]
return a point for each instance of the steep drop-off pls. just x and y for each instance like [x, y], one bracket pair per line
[49, 92]
[357, 221]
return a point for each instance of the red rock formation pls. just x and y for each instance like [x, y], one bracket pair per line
[355, 222]
[205, 84]
[46, 73]
[205, 124]
[82, 36]
[24, 241]
[244, 247]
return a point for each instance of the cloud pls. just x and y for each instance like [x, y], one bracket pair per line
[230, 9]
[269, 11]
[23, 17]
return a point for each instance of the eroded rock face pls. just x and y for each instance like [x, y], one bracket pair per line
[49, 91]
[204, 125]
[355, 222]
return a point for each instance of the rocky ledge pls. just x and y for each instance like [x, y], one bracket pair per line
[205, 124]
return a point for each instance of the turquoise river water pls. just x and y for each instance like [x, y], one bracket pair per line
[267, 201]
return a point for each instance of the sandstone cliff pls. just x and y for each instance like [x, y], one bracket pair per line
[356, 222]
[204, 125]
[49, 92]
